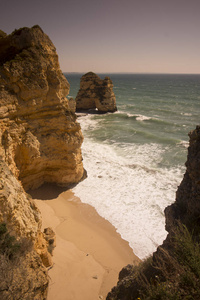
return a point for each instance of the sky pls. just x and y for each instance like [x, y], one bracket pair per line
[108, 36]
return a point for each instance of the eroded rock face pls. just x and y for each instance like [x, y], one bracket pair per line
[24, 279]
[72, 104]
[187, 205]
[40, 137]
[27, 277]
[96, 93]
[40, 142]
[17, 210]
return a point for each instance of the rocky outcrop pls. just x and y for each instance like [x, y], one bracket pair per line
[44, 246]
[72, 104]
[17, 210]
[187, 205]
[40, 141]
[173, 270]
[40, 137]
[96, 93]
[26, 277]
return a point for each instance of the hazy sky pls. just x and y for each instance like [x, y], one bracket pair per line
[160, 36]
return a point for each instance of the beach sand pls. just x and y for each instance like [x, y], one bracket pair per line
[89, 252]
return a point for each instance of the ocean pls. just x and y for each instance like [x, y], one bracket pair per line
[135, 158]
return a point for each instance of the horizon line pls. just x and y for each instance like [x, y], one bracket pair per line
[150, 73]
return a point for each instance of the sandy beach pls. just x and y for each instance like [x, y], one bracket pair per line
[89, 252]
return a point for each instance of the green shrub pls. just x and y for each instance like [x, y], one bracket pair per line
[178, 270]
[187, 250]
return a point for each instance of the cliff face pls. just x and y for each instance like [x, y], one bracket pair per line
[40, 136]
[96, 93]
[187, 205]
[40, 142]
[173, 272]
[17, 211]
[26, 277]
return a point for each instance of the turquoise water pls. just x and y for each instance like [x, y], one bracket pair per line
[135, 157]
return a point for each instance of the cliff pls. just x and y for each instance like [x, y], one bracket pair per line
[187, 205]
[95, 93]
[173, 272]
[24, 276]
[40, 141]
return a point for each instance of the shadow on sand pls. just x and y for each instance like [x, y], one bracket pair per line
[47, 191]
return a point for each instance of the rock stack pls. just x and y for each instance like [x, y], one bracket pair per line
[95, 93]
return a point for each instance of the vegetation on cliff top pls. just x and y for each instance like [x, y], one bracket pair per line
[2, 34]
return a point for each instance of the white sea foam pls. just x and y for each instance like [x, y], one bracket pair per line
[130, 115]
[120, 111]
[187, 114]
[87, 121]
[142, 118]
[137, 117]
[127, 188]
[184, 144]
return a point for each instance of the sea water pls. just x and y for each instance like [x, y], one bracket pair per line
[135, 157]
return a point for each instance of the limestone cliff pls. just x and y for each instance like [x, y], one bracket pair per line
[96, 93]
[173, 272]
[40, 137]
[40, 142]
[26, 277]
[72, 104]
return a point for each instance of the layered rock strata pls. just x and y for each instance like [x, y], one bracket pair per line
[95, 93]
[72, 104]
[40, 137]
[40, 141]
[170, 272]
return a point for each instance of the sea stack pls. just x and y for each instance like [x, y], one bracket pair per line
[95, 93]
[40, 141]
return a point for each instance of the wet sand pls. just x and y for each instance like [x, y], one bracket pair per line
[89, 252]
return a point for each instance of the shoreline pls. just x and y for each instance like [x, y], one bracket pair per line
[89, 253]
